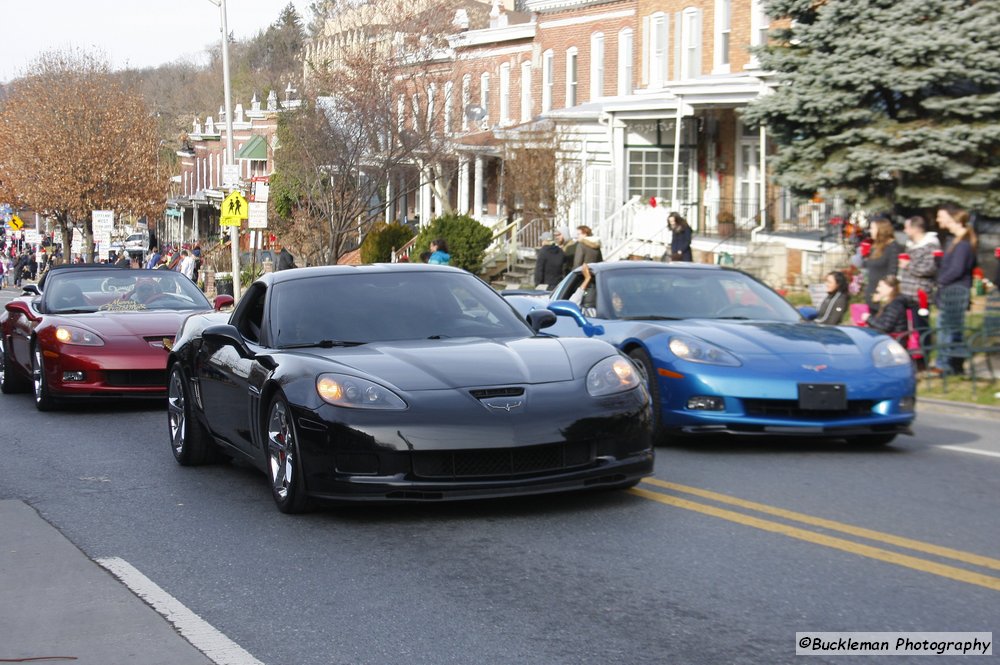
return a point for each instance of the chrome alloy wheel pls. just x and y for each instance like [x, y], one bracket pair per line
[281, 449]
[38, 375]
[176, 417]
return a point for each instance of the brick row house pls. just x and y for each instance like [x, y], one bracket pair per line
[643, 99]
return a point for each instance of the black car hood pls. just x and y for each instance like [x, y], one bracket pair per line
[454, 363]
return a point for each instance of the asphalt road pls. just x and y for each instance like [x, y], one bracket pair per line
[681, 570]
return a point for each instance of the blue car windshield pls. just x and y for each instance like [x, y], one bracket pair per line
[390, 306]
[690, 294]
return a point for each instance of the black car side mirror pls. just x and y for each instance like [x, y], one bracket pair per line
[540, 318]
[224, 334]
[30, 290]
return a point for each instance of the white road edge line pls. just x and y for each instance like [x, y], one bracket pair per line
[974, 451]
[201, 634]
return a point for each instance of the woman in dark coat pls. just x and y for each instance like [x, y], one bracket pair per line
[680, 240]
[883, 260]
[954, 281]
[549, 262]
[834, 306]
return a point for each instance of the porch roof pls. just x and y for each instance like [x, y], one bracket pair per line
[255, 149]
[714, 91]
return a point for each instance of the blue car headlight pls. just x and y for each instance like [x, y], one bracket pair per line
[700, 351]
[890, 353]
[355, 393]
[612, 375]
[78, 336]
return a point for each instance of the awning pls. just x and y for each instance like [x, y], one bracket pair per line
[255, 148]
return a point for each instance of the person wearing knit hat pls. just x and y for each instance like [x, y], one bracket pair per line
[549, 262]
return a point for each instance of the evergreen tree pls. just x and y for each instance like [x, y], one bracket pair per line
[886, 101]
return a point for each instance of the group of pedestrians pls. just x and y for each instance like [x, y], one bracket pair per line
[901, 282]
[559, 254]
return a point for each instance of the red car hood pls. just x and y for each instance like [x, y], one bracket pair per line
[129, 324]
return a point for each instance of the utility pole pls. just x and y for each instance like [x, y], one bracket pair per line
[234, 231]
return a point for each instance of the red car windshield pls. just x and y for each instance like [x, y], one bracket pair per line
[80, 292]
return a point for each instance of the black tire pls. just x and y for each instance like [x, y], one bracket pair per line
[190, 442]
[10, 381]
[648, 372]
[43, 396]
[284, 465]
[873, 440]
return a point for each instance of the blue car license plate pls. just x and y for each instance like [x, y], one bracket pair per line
[822, 396]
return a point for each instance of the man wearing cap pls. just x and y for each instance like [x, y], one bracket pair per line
[549, 262]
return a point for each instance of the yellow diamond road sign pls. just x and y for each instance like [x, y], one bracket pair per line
[16, 223]
[234, 209]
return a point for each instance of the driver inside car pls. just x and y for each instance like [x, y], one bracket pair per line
[144, 292]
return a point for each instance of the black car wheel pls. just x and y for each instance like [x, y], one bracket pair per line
[43, 398]
[648, 372]
[10, 381]
[190, 442]
[283, 463]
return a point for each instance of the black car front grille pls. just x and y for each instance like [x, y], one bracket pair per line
[484, 393]
[789, 408]
[136, 377]
[503, 462]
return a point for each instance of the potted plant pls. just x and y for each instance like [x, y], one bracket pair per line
[727, 224]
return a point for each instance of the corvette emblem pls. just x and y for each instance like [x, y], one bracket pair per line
[502, 405]
[815, 368]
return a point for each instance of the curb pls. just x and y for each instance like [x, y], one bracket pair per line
[958, 408]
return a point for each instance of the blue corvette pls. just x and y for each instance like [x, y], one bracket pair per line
[724, 354]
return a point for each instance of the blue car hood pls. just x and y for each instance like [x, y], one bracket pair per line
[790, 343]
[459, 363]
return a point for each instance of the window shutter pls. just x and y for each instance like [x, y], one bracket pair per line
[647, 50]
[678, 39]
[698, 42]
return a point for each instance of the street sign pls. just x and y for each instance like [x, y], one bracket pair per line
[103, 221]
[234, 209]
[230, 175]
[257, 218]
[16, 223]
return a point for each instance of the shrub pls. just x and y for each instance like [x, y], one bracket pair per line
[380, 241]
[467, 240]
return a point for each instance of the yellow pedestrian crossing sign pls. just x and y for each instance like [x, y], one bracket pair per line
[234, 209]
[16, 223]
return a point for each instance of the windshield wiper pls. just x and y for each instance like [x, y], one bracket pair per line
[731, 318]
[76, 310]
[322, 344]
[651, 317]
[439, 337]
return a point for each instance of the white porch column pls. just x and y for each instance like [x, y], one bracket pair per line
[477, 192]
[389, 203]
[761, 185]
[426, 196]
[463, 185]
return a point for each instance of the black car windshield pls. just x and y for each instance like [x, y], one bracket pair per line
[391, 306]
[92, 290]
[690, 294]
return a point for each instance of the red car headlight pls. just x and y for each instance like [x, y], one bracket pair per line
[78, 336]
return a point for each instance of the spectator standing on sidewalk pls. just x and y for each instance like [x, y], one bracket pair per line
[285, 260]
[439, 253]
[588, 247]
[680, 238]
[549, 262]
[883, 259]
[954, 282]
[187, 264]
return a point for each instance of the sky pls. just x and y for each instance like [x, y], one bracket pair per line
[130, 33]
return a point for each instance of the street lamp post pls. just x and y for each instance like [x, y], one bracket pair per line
[234, 231]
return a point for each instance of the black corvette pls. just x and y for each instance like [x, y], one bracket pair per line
[402, 383]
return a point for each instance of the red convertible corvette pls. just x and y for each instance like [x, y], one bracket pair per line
[96, 331]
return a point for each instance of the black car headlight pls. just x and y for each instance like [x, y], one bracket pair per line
[355, 393]
[612, 375]
[79, 336]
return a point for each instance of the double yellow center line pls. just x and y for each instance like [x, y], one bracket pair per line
[881, 554]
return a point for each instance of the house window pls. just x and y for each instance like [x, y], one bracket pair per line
[759, 24]
[651, 173]
[723, 29]
[597, 65]
[526, 91]
[415, 106]
[484, 95]
[571, 80]
[505, 93]
[431, 94]
[466, 100]
[449, 106]
[655, 39]
[747, 174]
[625, 73]
[691, 43]
[548, 80]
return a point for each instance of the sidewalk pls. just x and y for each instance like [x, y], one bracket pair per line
[57, 605]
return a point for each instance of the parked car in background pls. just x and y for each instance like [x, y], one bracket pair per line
[722, 353]
[93, 330]
[402, 383]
